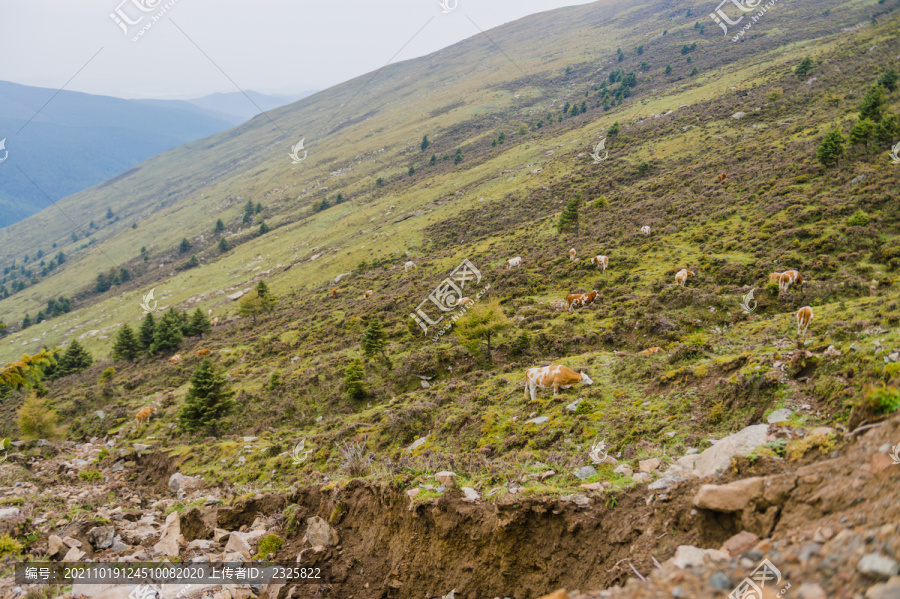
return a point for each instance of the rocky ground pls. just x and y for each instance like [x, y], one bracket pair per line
[696, 526]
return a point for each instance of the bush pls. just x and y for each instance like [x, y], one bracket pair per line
[858, 219]
[270, 543]
[883, 399]
[208, 400]
[354, 459]
[90, 475]
[107, 375]
[36, 419]
[9, 546]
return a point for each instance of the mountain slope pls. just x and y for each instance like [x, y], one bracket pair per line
[78, 140]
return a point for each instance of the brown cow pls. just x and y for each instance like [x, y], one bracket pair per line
[601, 261]
[804, 317]
[555, 376]
[774, 277]
[682, 276]
[334, 293]
[723, 177]
[215, 321]
[572, 254]
[580, 300]
[368, 293]
[202, 352]
[651, 350]
[788, 278]
[175, 359]
[144, 414]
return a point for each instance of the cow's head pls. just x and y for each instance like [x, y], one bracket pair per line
[586, 380]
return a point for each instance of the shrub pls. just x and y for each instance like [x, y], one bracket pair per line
[90, 475]
[36, 419]
[270, 543]
[107, 375]
[858, 219]
[9, 546]
[354, 459]
[883, 399]
[208, 400]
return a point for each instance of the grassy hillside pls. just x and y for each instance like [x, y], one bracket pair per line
[721, 369]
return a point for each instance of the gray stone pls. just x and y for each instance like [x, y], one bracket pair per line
[878, 566]
[574, 405]
[538, 420]
[779, 416]
[238, 544]
[641, 477]
[318, 532]
[417, 443]
[664, 483]
[887, 590]
[470, 494]
[624, 470]
[719, 456]
[732, 497]
[688, 556]
[648, 465]
[857, 179]
[739, 115]
[9, 513]
[585, 472]
[168, 542]
[720, 581]
[101, 537]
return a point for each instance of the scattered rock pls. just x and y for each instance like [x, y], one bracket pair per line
[470, 494]
[574, 405]
[881, 462]
[538, 420]
[739, 543]
[688, 556]
[641, 477]
[101, 537]
[446, 478]
[732, 497]
[779, 416]
[623, 469]
[719, 456]
[9, 513]
[739, 115]
[810, 590]
[857, 179]
[585, 472]
[238, 544]
[648, 465]
[318, 532]
[417, 443]
[73, 555]
[888, 590]
[54, 544]
[168, 542]
[664, 483]
[878, 566]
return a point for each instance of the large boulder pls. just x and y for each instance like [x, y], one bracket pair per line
[168, 542]
[719, 456]
[319, 532]
[732, 497]
[101, 537]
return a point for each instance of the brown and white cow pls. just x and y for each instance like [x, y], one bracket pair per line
[215, 321]
[175, 359]
[580, 300]
[601, 261]
[555, 376]
[788, 278]
[775, 277]
[645, 230]
[368, 293]
[202, 352]
[517, 261]
[650, 350]
[682, 276]
[804, 317]
[723, 177]
[409, 265]
[572, 254]
[334, 293]
[144, 414]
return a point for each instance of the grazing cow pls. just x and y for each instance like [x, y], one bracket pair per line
[517, 261]
[774, 277]
[144, 414]
[463, 301]
[334, 293]
[409, 265]
[723, 177]
[555, 376]
[215, 321]
[682, 275]
[788, 278]
[645, 230]
[175, 359]
[368, 293]
[601, 261]
[580, 300]
[804, 317]
[202, 352]
[651, 350]
[572, 254]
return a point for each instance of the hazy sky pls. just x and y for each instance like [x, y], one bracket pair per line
[270, 46]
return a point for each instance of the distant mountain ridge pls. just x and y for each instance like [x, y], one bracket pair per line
[61, 143]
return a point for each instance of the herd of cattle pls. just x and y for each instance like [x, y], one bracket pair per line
[557, 376]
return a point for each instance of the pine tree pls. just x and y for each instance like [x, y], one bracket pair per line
[126, 346]
[26, 322]
[75, 359]
[425, 143]
[354, 379]
[208, 400]
[804, 67]
[146, 332]
[459, 156]
[109, 213]
[862, 132]
[888, 129]
[263, 228]
[568, 220]
[375, 340]
[220, 226]
[259, 301]
[873, 104]
[433, 160]
[889, 80]
[200, 324]
[832, 148]
[668, 69]
[184, 246]
[193, 261]
[168, 336]
[223, 245]
[411, 171]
